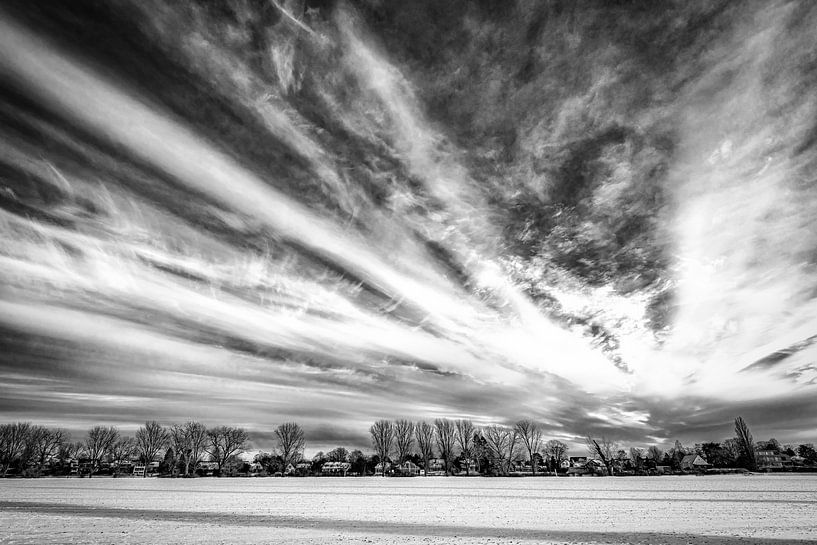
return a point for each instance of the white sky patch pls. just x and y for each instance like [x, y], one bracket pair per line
[744, 229]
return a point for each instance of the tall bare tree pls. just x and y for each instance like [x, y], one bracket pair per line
[45, 444]
[291, 443]
[179, 443]
[98, 444]
[556, 450]
[531, 436]
[514, 443]
[479, 449]
[123, 448]
[403, 439]
[498, 443]
[637, 458]
[746, 443]
[604, 449]
[656, 454]
[445, 441]
[196, 434]
[13, 440]
[337, 454]
[424, 433]
[150, 439]
[464, 436]
[224, 442]
[382, 433]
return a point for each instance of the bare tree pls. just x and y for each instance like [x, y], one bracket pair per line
[637, 458]
[98, 444]
[337, 454]
[498, 443]
[45, 444]
[445, 441]
[424, 433]
[150, 439]
[13, 441]
[403, 439]
[557, 451]
[291, 442]
[479, 449]
[465, 440]
[746, 443]
[531, 436]
[513, 446]
[67, 449]
[179, 443]
[224, 442]
[382, 433]
[122, 448]
[603, 449]
[655, 453]
[196, 434]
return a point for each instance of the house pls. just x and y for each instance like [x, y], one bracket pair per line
[768, 459]
[693, 462]
[468, 465]
[577, 461]
[587, 467]
[207, 468]
[564, 464]
[379, 469]
[304, 468]
[407, 469]
[436, 466]
[522, 466]
[786, 460]
[336, 468]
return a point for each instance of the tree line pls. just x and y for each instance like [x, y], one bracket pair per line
[463, 447]
[32, 449]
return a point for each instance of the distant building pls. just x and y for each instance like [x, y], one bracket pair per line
[207, 468]
[584, 466]
[768, 459]
[336, 468]
[408, 469]
[435, 465]
[693, 462]
[577, 461]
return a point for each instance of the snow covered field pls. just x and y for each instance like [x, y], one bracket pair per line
[673, 510]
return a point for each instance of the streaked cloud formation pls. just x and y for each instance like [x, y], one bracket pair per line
[257, 213]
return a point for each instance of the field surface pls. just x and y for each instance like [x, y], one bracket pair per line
[672, 510]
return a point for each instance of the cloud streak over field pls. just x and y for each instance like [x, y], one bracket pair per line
[288, 211]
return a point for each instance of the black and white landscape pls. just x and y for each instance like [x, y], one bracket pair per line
[598, 217]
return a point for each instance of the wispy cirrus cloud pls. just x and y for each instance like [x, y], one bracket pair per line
[313, 245]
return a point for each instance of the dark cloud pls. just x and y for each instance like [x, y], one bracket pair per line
[596, 215]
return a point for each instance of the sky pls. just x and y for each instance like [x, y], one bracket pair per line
[600, 216]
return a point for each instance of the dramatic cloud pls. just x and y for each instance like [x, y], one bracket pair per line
[599, 217]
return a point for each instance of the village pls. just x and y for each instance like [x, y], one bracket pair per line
[401, 449]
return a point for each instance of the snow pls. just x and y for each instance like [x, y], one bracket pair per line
[434, 510]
